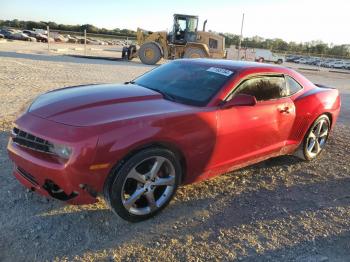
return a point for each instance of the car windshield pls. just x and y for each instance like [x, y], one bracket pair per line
[187, 83]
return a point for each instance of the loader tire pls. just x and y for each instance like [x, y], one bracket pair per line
[150, 53]
[194, 53]
[132, 52]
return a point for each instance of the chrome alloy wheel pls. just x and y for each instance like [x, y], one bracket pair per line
[148, 185]
[317, 138]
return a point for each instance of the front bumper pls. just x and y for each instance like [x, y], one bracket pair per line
[71, 180]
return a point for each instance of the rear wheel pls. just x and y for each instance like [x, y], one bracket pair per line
[279, 61]
[316, 138]
[144, 184]
[192, 52]
[261, 60]
[149, 53]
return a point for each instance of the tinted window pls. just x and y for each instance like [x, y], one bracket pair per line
[188, 83]
[213, 43]
[264, 88]
[292, 85]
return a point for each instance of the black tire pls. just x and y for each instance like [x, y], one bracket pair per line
[114, 185]
[261, 60]
[193, 52]
[307, 154]
[279, 61]
[149, 53]
[132, 51]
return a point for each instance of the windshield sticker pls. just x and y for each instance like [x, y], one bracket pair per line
[220, 71]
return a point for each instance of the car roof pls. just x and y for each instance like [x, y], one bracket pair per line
[234, 65]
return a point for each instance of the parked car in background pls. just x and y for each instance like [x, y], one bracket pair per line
[338, 65]
[293, 58]
[38, 36]
[301, 61]
[6, 33]
[72, 39]
[316, 61]
[319, 61]
[265, 55]
[22, 36]
[328, 63]
[60, 38]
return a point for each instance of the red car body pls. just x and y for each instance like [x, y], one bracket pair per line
[105, 123]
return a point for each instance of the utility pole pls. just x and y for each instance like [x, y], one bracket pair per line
[240, 39]
[85, 42]
[48, 38]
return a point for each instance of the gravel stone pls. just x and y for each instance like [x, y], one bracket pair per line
[282, 209]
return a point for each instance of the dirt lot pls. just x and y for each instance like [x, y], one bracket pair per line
[282, 209]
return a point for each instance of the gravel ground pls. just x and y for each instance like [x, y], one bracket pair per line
[282, 209]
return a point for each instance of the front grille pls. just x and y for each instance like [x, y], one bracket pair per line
[27, 176]
[28, 140]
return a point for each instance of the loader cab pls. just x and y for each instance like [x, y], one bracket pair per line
[184, 29]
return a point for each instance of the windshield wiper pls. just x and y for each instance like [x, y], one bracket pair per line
[129, 82]
[165, 95]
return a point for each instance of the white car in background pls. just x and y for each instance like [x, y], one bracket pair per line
[329, 63]
[338, 65]
[301, 61]
[265, 55]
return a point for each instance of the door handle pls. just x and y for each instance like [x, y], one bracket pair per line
[284, 110]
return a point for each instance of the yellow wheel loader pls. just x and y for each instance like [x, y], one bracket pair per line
[184, 41]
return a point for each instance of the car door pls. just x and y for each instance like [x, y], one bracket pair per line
[246, 133]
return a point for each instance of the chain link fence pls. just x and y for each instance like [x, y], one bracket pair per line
[70, 42]
[88, 44]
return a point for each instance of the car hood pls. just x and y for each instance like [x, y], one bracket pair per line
[100, 104]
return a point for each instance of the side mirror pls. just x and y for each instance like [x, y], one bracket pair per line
[240, 100]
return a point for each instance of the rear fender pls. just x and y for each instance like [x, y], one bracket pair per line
[310, 105]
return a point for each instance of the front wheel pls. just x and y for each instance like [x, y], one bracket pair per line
[144, 184]
[194, 53]
[316, 138]
[149, 53]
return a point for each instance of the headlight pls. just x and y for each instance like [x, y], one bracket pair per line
[61, 150]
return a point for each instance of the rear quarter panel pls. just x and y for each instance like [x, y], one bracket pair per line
[310, 105]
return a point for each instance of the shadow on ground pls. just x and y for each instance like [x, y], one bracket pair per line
[280, 209]
[246, 218]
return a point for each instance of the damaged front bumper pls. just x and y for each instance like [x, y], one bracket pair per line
[68, 180]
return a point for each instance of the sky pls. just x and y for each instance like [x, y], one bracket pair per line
[298, 20]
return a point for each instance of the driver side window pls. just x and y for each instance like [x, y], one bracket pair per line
[264, 88]
[181, 24]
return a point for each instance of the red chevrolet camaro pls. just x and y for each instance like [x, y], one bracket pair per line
[183, 122]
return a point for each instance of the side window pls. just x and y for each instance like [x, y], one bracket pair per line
[292, 85]
[179, 25]
[264, 88]
[213, 43]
